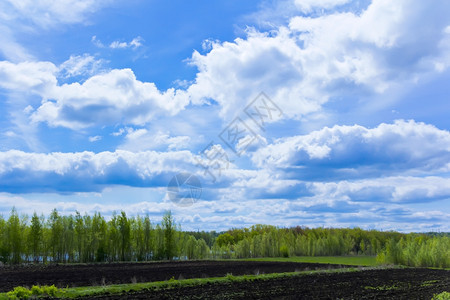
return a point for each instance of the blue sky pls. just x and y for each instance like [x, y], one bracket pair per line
[300, 112]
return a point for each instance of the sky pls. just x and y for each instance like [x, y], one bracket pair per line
[330, 113]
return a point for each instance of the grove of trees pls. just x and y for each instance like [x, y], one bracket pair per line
[77, 238]
[85, 238]
[417, 251]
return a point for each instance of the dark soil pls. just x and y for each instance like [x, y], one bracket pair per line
[411, 283]
[115, 273]
[408, 283]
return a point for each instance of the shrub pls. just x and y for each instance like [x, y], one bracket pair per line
[36, 290]
[441, 296]
[284, 251]
[230, 277]
[19, 292]
[50, 290]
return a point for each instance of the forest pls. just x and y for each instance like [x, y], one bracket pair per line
[91, 238]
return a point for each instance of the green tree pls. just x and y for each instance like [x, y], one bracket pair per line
[148, 238]
[14, 236]
[202, 249]
[138, 238]
[4, 248]
[35, 237]
[125, 236]
[56, 235]
[68, 238]
[225, 239]
[168, 227]
[79, 237]
[99, 237]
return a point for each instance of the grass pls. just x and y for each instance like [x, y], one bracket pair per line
[368, 261]
[382, 288]
[134, 287]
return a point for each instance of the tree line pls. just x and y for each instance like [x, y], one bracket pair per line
[271, 241]
[85, 238]
[413, 249]
[418, 251]
[77, 238]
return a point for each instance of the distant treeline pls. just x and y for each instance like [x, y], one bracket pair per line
[418, 250]
[77, 238]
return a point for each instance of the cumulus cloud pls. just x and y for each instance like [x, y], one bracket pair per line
[143, 139]
[300, 66]
[404, 146]
[315, 58]
[22, 172]
[35, 77]
[109, 98]
[398, 189]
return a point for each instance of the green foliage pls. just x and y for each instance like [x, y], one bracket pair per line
[284, 251]
[208, 237]
[19, 293]
[77, 238]
[417, 251]
[4, 249]
[15, 236]
[168, 226]
[50, 290]
[35, 291]
[224, 239]
[230, 277]
[124, 236]
[271, 241]
[35, 238]
[441, 296]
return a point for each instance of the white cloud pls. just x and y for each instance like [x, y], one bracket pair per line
[28, 16]
[235, 73]
[119, 132]
[80, 65]
[143, 139]
[301, 66]
[97, 42]
[135, 43]
[37, 77]
[109, 98]
[308, 5]
[88, 171]
[46, 13]
[398, 189]
[94, 138]
[9, 46]
[399, 147]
